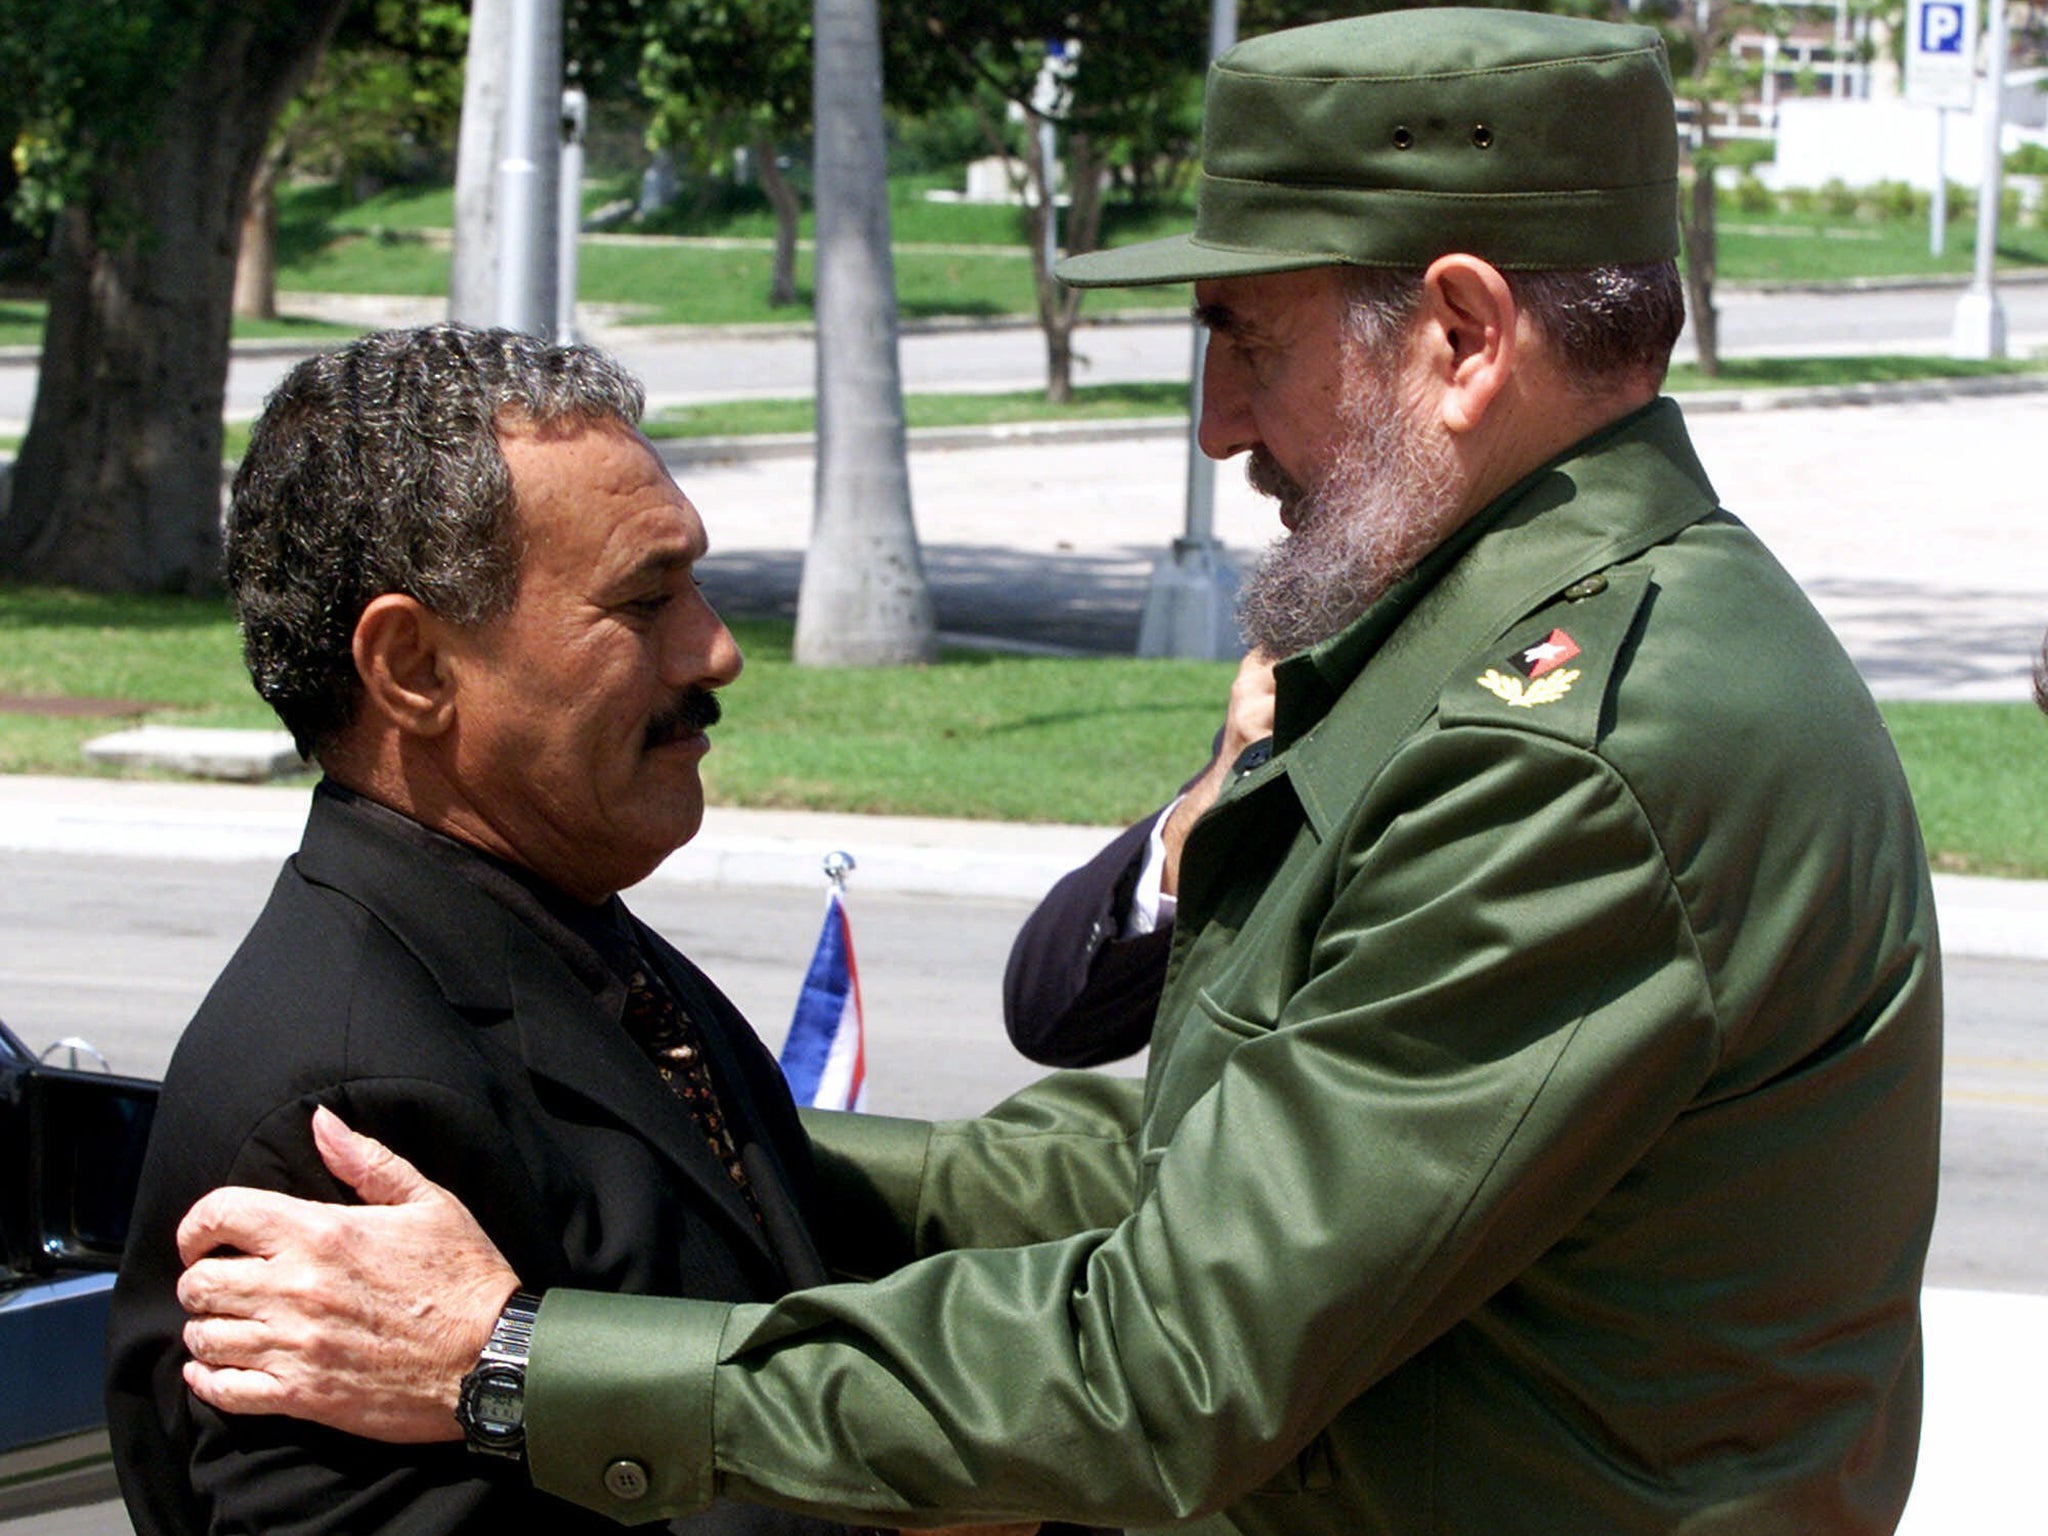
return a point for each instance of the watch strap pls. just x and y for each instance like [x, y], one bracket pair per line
[491, 1405]
[511, 1339]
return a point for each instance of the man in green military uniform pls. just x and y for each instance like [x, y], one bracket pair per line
[1540, 1127]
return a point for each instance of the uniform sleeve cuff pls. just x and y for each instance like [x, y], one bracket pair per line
[618, 1402]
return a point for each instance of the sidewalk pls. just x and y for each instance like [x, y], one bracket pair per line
[912, 855]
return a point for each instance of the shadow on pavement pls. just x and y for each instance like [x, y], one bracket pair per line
[1084, 602]
[1909, 641]
[1919, 642]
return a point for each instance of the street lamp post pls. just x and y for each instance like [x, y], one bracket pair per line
[1191, 604]
[569, 212]
[1979, 330]
[529, 153]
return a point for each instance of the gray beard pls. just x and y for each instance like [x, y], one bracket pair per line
[1388, 499]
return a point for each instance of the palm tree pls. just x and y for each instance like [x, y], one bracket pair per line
[863, 600]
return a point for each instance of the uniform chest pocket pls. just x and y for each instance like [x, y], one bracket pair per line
[1192, 1063]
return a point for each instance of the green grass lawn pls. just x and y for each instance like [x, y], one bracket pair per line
[380, 247]
[1008, 738]
[1787, 247]
[1977, 772]
[953, 259]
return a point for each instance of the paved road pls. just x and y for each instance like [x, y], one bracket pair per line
[1918, 529]
[1915, 320]
[678, 369]
[121, 950]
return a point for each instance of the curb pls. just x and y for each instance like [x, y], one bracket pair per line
[679, 452]
[1980, 918]
[1700, 402]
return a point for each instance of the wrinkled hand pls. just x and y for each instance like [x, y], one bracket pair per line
[363, 1318]
[1247, 718]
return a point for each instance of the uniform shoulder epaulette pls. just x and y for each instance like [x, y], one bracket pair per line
[1552, 671]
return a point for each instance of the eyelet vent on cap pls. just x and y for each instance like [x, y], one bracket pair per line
[1404, 138]
[1482, 136]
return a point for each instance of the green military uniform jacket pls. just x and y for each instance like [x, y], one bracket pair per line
[1539, 1134]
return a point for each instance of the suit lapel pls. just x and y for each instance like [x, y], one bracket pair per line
[490, 965]
[574, 1040]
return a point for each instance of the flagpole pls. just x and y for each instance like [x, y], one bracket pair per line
[824, 1054]
[838, 865]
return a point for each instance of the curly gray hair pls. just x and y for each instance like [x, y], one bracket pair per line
[376, 468]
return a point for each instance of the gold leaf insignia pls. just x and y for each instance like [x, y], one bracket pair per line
[1547, 689]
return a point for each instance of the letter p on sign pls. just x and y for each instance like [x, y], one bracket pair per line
[1941, 28]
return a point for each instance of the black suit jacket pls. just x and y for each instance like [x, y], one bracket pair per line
[1075, 993]
[384, 980]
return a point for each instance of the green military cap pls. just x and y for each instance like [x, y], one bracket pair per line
[1536, 142]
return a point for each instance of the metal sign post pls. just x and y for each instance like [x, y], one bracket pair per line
[1941, 72]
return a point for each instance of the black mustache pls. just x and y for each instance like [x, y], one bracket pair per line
[693, 711]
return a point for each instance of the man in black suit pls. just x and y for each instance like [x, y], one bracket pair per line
[465, 583]
[1086, 969]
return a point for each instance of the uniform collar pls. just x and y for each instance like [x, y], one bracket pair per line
[1629, 485]
[1343, 705]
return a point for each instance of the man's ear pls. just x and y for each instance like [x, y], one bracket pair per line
[1469, 319]
[400, 658]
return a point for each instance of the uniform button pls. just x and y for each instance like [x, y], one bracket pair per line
[625, 1479]
[1579, 591]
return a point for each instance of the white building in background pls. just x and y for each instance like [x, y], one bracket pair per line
[1888, 139]
[1830, 94]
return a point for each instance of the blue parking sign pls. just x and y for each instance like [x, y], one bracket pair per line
[1941, 27]
[1941, 57]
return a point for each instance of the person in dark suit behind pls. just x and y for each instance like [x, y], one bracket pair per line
[1086, 969]
[465, 583]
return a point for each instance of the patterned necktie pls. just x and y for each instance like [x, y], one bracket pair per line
[659, 1025]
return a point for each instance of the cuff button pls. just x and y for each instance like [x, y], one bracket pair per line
[626, 1479]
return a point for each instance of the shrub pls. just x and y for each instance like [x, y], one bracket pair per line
[1838, 199]
[1898, 200]
[2030, 159]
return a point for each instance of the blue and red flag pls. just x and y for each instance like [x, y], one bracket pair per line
[824, 1056]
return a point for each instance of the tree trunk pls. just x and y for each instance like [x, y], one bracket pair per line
[118, 486]
[863, 600]
[783, 199]
[1041, 224]
[256, 258]
[1700, 238]
[1059, 307]
[472, 269]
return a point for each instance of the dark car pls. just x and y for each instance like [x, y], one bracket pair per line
[71, 1145]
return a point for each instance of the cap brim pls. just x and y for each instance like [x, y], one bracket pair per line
[1179, 259]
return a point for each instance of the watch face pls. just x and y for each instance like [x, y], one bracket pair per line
[494, 1401]
[497, 1403]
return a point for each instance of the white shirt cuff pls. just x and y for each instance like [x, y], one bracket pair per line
[1151, 908]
